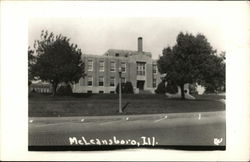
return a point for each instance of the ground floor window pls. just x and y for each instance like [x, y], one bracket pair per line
[90, 81]
[112, 81]
[123, 80]
[89, 91]
[112, 92]
[154, 82]
[101, 92]
[101, 80]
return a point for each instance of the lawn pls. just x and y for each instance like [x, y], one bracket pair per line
[107, 104]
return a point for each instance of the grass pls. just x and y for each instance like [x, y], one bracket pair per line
[107, 104]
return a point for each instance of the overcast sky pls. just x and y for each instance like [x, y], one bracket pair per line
[97, 35]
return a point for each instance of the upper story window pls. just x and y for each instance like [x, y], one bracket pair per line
[117, 54]
[141, 68]
[154, 68]
[123, 67]
[90, 81]
[112, 66]
[101, 65]
[90, 65]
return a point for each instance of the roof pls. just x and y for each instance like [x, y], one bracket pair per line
[125, 53]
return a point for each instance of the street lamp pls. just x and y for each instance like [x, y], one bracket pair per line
[120, 90]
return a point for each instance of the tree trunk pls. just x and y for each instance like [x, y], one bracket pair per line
[182, 92]
[54, 86]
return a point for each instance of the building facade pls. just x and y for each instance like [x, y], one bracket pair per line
[102, 72]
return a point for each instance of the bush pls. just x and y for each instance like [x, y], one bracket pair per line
[64, 90]
[171, 88]
[192, 89]
[127, 88]
[161, 88]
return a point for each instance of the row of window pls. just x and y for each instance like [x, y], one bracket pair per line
[112, 81]
[140, 67]
[102, 66]
[112, 92]
[101, 81]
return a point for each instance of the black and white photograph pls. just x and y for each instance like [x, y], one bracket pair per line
[103, 83]
[124, 81]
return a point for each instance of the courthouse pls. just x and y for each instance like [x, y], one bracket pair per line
[102, 71]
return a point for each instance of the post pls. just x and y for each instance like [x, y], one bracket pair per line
[120, 90]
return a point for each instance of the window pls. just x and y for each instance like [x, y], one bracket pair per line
[123, 80]
[101, 91]
[101, 65]
[90, 81]
[90, 65]
[112, 92]
[117, 54]
[101, 80]
[154, 82]
[141, 68]
[123, 67]
[89, 91]
[154, 69]
[112, 66]
[112, 81]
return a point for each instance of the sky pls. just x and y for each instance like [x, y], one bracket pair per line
[97, 35]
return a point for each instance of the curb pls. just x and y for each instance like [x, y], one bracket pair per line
[126, 117]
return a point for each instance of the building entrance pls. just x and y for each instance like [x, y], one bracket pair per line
[140, 84]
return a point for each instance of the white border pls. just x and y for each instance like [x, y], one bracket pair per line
[14, 30]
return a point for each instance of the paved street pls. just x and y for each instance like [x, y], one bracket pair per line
[197, 129]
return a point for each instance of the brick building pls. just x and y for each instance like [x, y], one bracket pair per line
[102, 72]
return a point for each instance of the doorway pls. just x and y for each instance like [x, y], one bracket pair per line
[140, 84]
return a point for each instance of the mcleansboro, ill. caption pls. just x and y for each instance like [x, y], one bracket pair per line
[150, 141]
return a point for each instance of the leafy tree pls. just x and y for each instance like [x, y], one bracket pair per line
[57, 60]
[31, 59]
[192, 60]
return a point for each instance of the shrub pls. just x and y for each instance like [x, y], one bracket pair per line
[171, 88]
[161, 88]
[127, 88]
[64, 90]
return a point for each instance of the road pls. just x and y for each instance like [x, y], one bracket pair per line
[189, 129]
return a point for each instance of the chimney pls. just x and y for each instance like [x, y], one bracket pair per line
[140, 44]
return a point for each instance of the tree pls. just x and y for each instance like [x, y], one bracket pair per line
[57, 60]
[31, 59]
[192, 60]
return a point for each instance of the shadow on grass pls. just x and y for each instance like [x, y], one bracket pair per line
[125, 106]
